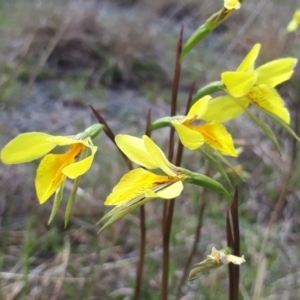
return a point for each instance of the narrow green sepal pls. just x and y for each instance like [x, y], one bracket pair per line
[223, 159]
[57, 200]
[280, 122]
[94, 130]
[206, 182]
[216, 165]
[120, 211]
[209, 89]
[72, 198]
[265, 128]
[202, 267]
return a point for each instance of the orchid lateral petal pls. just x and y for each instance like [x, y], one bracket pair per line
[248, 63]
[49, 173]
[159, 157]
[199, 108]
[81, 167]
[190, 138]
[134, 148]
[167, 192]
[224, 108]
[268, 98]
[49, 176]
[217, 136]
[276, 71]
[238, 84]
[172, 191]
[26, 147]
[133, 185]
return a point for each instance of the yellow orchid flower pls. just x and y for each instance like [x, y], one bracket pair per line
[213, 133]
[139, 184]
[295, 22]
[214, 260]
[232, 4]
[254, 86]
[220, 257]
[54, 168]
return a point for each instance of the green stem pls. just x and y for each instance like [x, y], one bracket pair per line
[208, 89]
[206, 182]
[169, 205]
[140, 264]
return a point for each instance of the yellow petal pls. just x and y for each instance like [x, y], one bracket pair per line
[216, 136]
[172, 191]
[292, 26]
[26, 147]
[81, 167]
[134, 148]
[67, 140]
[49, 174]
[238, 84]
[159, 157]
[235, 259]
[133, 185]
[224, 108]
[249, 61]
[232, 4]
[268, 98]
[190, 138]
[198, 109]
[49, 177]
[276, 71]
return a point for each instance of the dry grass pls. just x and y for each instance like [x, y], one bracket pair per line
[91, 47]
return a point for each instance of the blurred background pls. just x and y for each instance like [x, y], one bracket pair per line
[118, 55]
